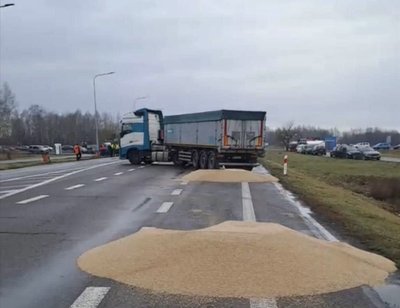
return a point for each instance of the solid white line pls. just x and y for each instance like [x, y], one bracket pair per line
[118, 173]
[316, 228]
[263, 303]
[32, 199]
[100, 179]
[131, 169]
[55, 179]
[248, 209]
[176, 192]
[165, 207]
[33, 176]
[91, 297]
[75, 186]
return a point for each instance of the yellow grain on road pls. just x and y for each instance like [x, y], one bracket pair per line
[235, 259]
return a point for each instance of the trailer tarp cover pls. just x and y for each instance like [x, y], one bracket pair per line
[215, 116]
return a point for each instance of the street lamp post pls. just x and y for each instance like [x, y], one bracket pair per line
[7, 4]
[95, 108]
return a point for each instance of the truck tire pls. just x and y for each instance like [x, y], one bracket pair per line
[195, 159]
[203, 160]
[212, 160]
[134, 157]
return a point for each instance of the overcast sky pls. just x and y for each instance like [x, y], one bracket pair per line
[325, 63]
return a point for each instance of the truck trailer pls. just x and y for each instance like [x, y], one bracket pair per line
[206, 140]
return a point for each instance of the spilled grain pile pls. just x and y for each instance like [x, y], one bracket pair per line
[228, 176]
[235, 259]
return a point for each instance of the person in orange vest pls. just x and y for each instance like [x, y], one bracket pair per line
[77, 151]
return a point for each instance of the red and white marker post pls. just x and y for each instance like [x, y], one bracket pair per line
[285, 161]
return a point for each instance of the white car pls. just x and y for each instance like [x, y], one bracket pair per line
[362, 145]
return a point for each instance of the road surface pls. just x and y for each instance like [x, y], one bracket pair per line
[51, 214]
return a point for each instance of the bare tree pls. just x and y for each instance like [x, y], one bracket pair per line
[7, 109]
[286, 134]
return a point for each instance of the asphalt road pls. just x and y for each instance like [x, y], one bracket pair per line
[51, 214]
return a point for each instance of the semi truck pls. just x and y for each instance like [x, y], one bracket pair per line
[206, 140]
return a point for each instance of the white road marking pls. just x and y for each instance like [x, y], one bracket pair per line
[141, 167]
[55, 179]
[33, 176]
[263, 303]
[91, 297]
[101, 179]
[176, 192]
[184, 183]
[165, 207]
[74, 186]
[118, 173]
[248, 209]
[32, 199]
[6, 191]
[133, 169]
[316, 228]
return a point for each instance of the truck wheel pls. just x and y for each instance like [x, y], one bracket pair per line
[203, 161]
[195, 159]
[212, 160]
[134, 158]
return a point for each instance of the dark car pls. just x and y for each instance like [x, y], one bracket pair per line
[319, 149]
[381, 146]
[67, 149]
[346, 151]
[370, 153]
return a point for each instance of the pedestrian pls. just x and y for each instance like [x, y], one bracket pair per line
[110, 150]
[77, 151]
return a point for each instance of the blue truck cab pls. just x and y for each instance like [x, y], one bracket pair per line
[140, 132]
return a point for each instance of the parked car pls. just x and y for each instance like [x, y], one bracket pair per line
[37, 149]
[319, 149]
[24, 148]
[362, 144]
[396, 147]
[301, 148]
[381, 146]
[48, 148]
[67, 149]
[346, 151]
[91, 149]
[293, 146]
[370, 153]
[309, 148]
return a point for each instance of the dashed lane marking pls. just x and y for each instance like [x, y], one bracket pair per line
[32, 199]
[165, 207]
[141, 167]
[133, 169]
[100, 179]
[184, 183]
[263, 303]
[176, 192]
[55, 179]
[74, 186]
[91, 297]
[118, 173]
[248, 209]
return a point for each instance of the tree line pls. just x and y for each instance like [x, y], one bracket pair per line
[36, 125]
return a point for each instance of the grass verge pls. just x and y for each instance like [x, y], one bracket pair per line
[326, 185]
[30, 163]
